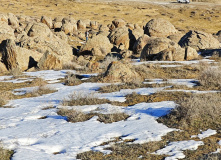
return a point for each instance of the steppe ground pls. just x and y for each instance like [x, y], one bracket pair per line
[205, 16]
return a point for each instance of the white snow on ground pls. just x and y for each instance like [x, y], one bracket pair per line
[175, 149]
[192, 91]
[137, 62]
[187, 82]
[35, 138]
[205, 134]
[22, 129]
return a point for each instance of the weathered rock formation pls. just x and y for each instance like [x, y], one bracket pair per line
[199, 40]
[159, 28]
[99, 45]
[118, 71]
[120, 36]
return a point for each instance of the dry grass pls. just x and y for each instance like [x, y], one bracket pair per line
[199, 111]
[5, 154]
[78, 116]
[40, 91]
[155, 71]
[104, 12]
[105, 63]
[16, 72]
[71, 80]
[4, 98]
[81, 98]
[211, 78]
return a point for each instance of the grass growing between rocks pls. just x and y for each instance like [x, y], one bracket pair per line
[150, 71]
[78, 116]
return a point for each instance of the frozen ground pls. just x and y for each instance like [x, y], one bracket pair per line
[31, 137]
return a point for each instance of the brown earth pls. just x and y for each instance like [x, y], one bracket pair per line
[204, 16]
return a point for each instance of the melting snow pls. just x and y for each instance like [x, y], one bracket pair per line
[175, 149]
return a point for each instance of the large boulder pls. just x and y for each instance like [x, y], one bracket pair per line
[120, 36]
[81, 25]
[191, 54]
[159, 28]
[6, 32]
[140, 43]
[2, 67]
[13, 20]
[39, 30]
[218, 34]
[9, 54]
[4, 18]
[176, 37]
[199, 40]
[47, 20]
[94, 25]
[120, 72]
[119, 23]
[154, 46]
[134, 35]
[171, 54]
[49, 61]
[67, 28]
[40, 38]
[99, 46]
[17, 57]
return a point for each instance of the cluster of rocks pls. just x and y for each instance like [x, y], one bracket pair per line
[27, 42]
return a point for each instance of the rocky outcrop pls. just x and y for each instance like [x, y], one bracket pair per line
[191, 54]
[39, 30]
[159, 28]
[40, 38]
[199, 40]
[4, 18]
[49, 61]
[94, 25]
[154, 46]
[119, 23]
[99, 46]
[176, 37]
[2, 67]
[17, 57]
[67, 28]
[139, 44]
[118, 71]
[47, 20]
[6, 32]
[171, 54]
[13, 20]
[218, 34]
[9, 54]
[120, 36]
[81, 25]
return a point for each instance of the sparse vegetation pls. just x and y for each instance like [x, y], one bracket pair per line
[81, 98]
[5, 154]
[198, 111]
[78, 116]
[16, 72]
[4, 97]
[72, 80]
[155, 71]
[210, 78]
